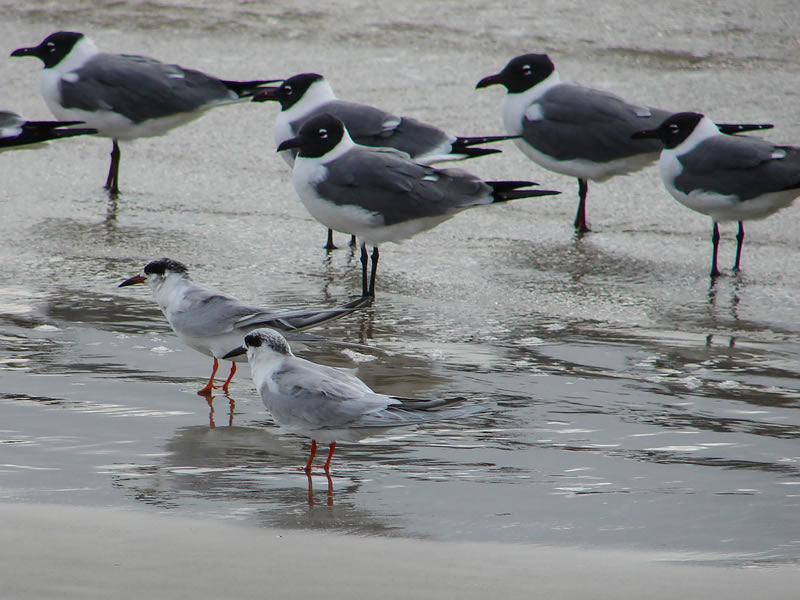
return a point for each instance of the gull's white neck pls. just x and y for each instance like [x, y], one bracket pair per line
[318, 93]
[705, 129]
[515, 105]
[80, 53]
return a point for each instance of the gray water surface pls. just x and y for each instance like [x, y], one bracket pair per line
[636, 406]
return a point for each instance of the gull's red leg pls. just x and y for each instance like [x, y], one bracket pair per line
[331, 448]
[311, 456]
[228, 380]
[210, 384]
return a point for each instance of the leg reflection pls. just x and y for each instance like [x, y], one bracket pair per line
[329, 495]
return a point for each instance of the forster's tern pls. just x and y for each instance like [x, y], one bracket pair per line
[328, 404]
[214, 323]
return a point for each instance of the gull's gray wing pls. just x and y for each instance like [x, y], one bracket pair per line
[139, 87]
[398, 190]
[585, 123]
[371, 126]
[739, 165]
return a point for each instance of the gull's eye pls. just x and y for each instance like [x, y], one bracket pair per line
[51, 47]
[288, 90]
[526, 70]
[323, 133]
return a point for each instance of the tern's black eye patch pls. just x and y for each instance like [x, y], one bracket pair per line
[162, 265]
[252, 340]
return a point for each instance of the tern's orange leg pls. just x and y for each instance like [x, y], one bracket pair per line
[331, 448]
[210, 384]
[228, 380]
[311, 456]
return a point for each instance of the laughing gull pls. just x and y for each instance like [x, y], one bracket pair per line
[17, 132]
[122, 96]
[576, 130]
[379, 194]
[309, 94]
[328, 404]
[214, 323]
[727, 177]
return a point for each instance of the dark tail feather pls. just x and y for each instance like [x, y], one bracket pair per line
[502, 191]
[732, 128]
[246, 89]
[517, 194]
[502, 186]
[466, 142]
[474, 152]
[463, 145]
[35, 132]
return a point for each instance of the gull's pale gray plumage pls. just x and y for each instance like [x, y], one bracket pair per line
[140, 88]
[371, 126]
[584, 123]
[746, 167]
[398, 190]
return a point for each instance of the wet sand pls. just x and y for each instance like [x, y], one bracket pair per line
[109, 553]
[638, 407]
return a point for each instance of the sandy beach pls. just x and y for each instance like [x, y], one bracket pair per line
[56, 551]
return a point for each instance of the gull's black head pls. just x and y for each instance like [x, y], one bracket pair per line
[316, 137]
[521, 73]
[292, 89]
[162, 266]
[673, 130]
[53, 48]
[268, 339]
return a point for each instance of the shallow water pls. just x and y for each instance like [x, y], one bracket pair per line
[635, 405]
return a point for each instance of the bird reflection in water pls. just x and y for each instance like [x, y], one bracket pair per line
[231, 407]
[329, 494]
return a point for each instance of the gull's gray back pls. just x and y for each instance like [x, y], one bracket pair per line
[398, 189]
[742, 166]
[584, 123]
[140, 88]
[370, 126]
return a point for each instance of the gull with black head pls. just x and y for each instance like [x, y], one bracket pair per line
[124, 96]
[328, 404]
[729, 178]
[214, 323]
[575, 130]
[307, 95]
[379, 194]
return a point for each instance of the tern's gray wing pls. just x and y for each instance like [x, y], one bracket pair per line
[139, 88]
[584, 123]
[398, 190]
[319, 396]
[738, 165]
[206, 312]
